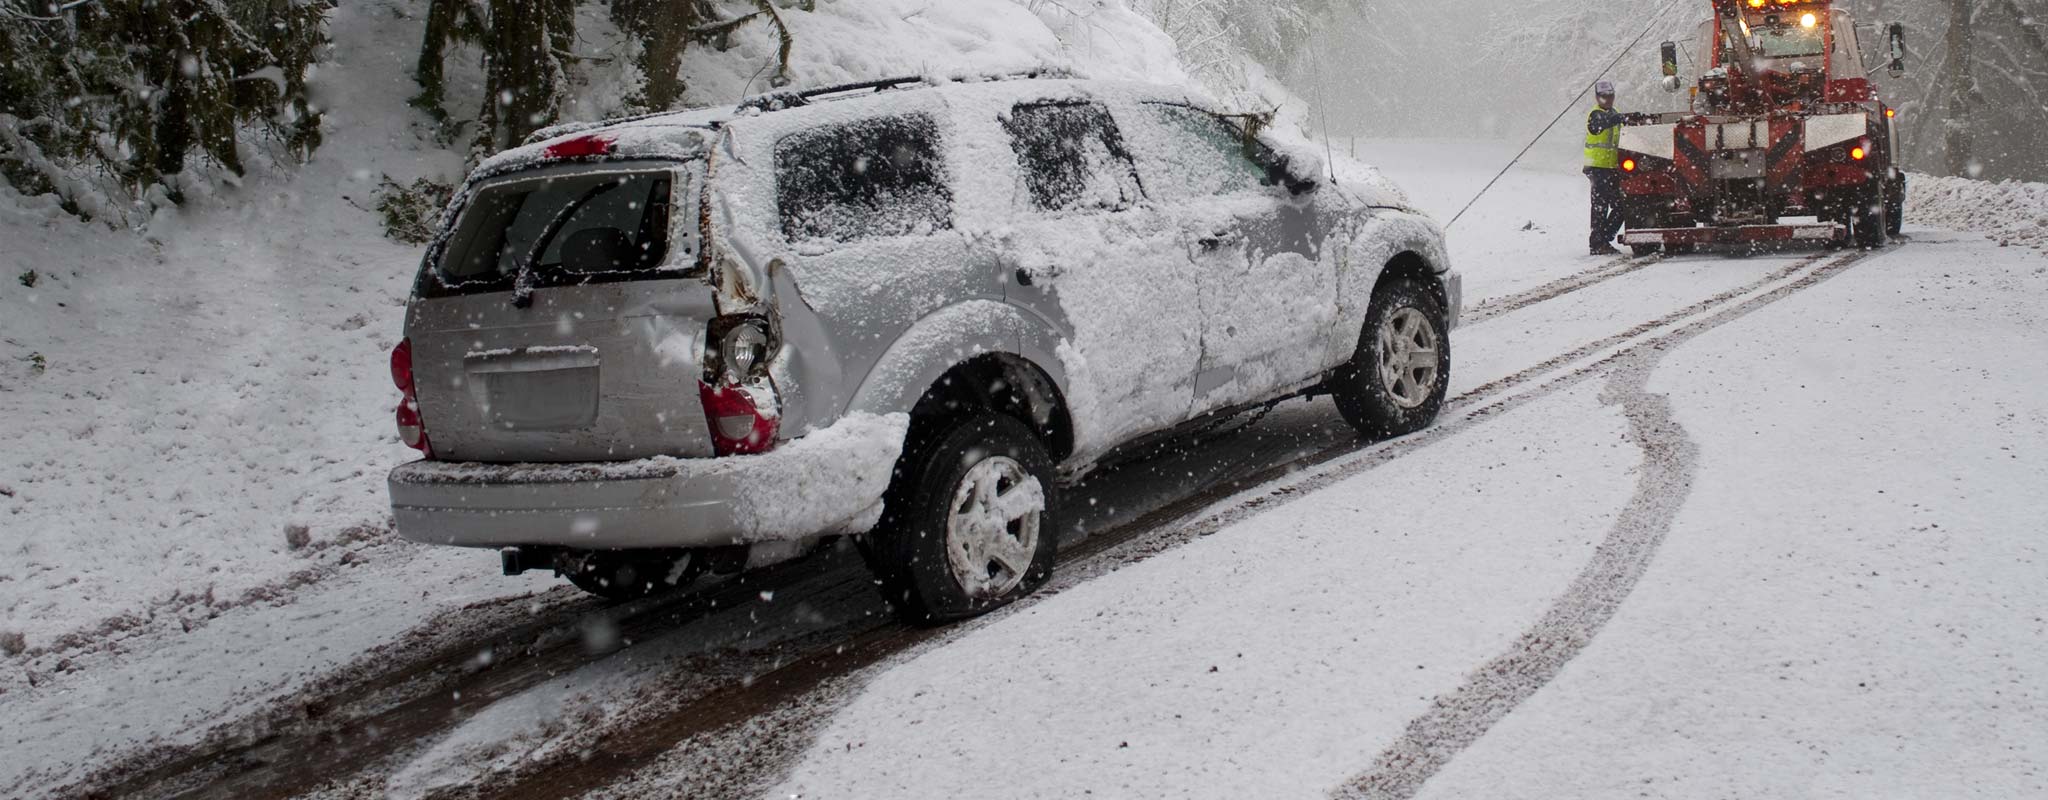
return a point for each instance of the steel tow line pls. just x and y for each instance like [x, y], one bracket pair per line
[1576, 100]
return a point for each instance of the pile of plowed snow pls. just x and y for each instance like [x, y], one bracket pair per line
[2008, 212]
[199, 419]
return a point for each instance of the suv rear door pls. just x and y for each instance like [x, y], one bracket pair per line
[562, 318]
[1268, 295]
[1087, 252]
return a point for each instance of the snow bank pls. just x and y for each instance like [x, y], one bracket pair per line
[2009, 212]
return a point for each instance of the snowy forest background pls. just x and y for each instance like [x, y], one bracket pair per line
[121, 107]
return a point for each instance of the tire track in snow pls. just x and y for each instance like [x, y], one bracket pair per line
[743, 742]
[1496, 306]
[276, 760]
[1458, 718]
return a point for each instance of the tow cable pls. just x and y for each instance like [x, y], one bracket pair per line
[1575, 101]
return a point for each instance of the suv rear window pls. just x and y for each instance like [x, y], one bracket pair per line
[869, 179]
[1072, 157]
[568, 229]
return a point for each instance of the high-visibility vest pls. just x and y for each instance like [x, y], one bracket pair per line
[1603, 149]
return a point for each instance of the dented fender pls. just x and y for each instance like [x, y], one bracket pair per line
[947, 338]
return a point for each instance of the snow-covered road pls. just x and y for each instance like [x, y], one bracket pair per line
[1697, 526]
[1851, 606]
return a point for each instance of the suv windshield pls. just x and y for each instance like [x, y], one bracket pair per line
[566, 229]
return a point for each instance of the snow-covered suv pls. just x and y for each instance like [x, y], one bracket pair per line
[903, 310]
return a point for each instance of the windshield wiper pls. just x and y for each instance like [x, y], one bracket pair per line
[523, 281]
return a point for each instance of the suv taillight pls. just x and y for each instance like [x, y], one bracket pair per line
[739, 399]
[739, 424]
[411, 429]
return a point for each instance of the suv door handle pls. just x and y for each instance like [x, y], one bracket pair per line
[1024, 274]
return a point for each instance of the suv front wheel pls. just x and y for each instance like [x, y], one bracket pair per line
[1395, 382]
[967, 525]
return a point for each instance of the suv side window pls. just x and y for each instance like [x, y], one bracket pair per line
[1198, 154]
[1071, 156]
[868, 179]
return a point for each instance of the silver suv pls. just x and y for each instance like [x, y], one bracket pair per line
[903, 310]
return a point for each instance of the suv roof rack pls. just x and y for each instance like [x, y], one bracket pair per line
[785, 99]
[777, 101]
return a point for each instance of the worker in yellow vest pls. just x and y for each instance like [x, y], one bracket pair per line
[1603, 163]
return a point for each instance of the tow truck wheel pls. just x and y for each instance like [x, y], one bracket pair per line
[1867, 224]
[1394, 384]
[1641, 250]
[967, 523]
[1895, 206]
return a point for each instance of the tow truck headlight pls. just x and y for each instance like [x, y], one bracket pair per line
[1628, 165]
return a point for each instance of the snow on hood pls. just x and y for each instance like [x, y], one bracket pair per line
[1309, 161]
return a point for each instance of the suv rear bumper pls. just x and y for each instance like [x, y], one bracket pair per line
[828, 482]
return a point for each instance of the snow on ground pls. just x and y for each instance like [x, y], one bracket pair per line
[1850, 604]
[200, 425]
[200, 420]
[1847, 602]
[211, 395]
[238, 352]
[1528, 230]
[2009, 212]
[1265, 660]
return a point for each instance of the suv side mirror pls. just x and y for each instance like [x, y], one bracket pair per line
[1895, 39]
[1283, 171]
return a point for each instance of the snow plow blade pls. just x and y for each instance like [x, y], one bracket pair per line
[1751, 235]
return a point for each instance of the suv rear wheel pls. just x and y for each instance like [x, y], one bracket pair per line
[1396, 380]
[967, 526]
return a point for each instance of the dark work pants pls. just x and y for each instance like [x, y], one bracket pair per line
[1606, 206]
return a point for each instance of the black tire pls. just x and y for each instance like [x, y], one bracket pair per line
[1641, 250]
[910, 552]
[630, 574]
[1895, 206]
[1360, 387]
[1867, 219]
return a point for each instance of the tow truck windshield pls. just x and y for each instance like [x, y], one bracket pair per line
[1788, 39]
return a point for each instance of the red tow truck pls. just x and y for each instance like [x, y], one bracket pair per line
[1784, 122]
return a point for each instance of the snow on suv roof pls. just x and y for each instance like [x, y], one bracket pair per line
[681, 135]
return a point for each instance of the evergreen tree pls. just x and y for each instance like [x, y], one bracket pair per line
[527, 49]
[104, 102]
